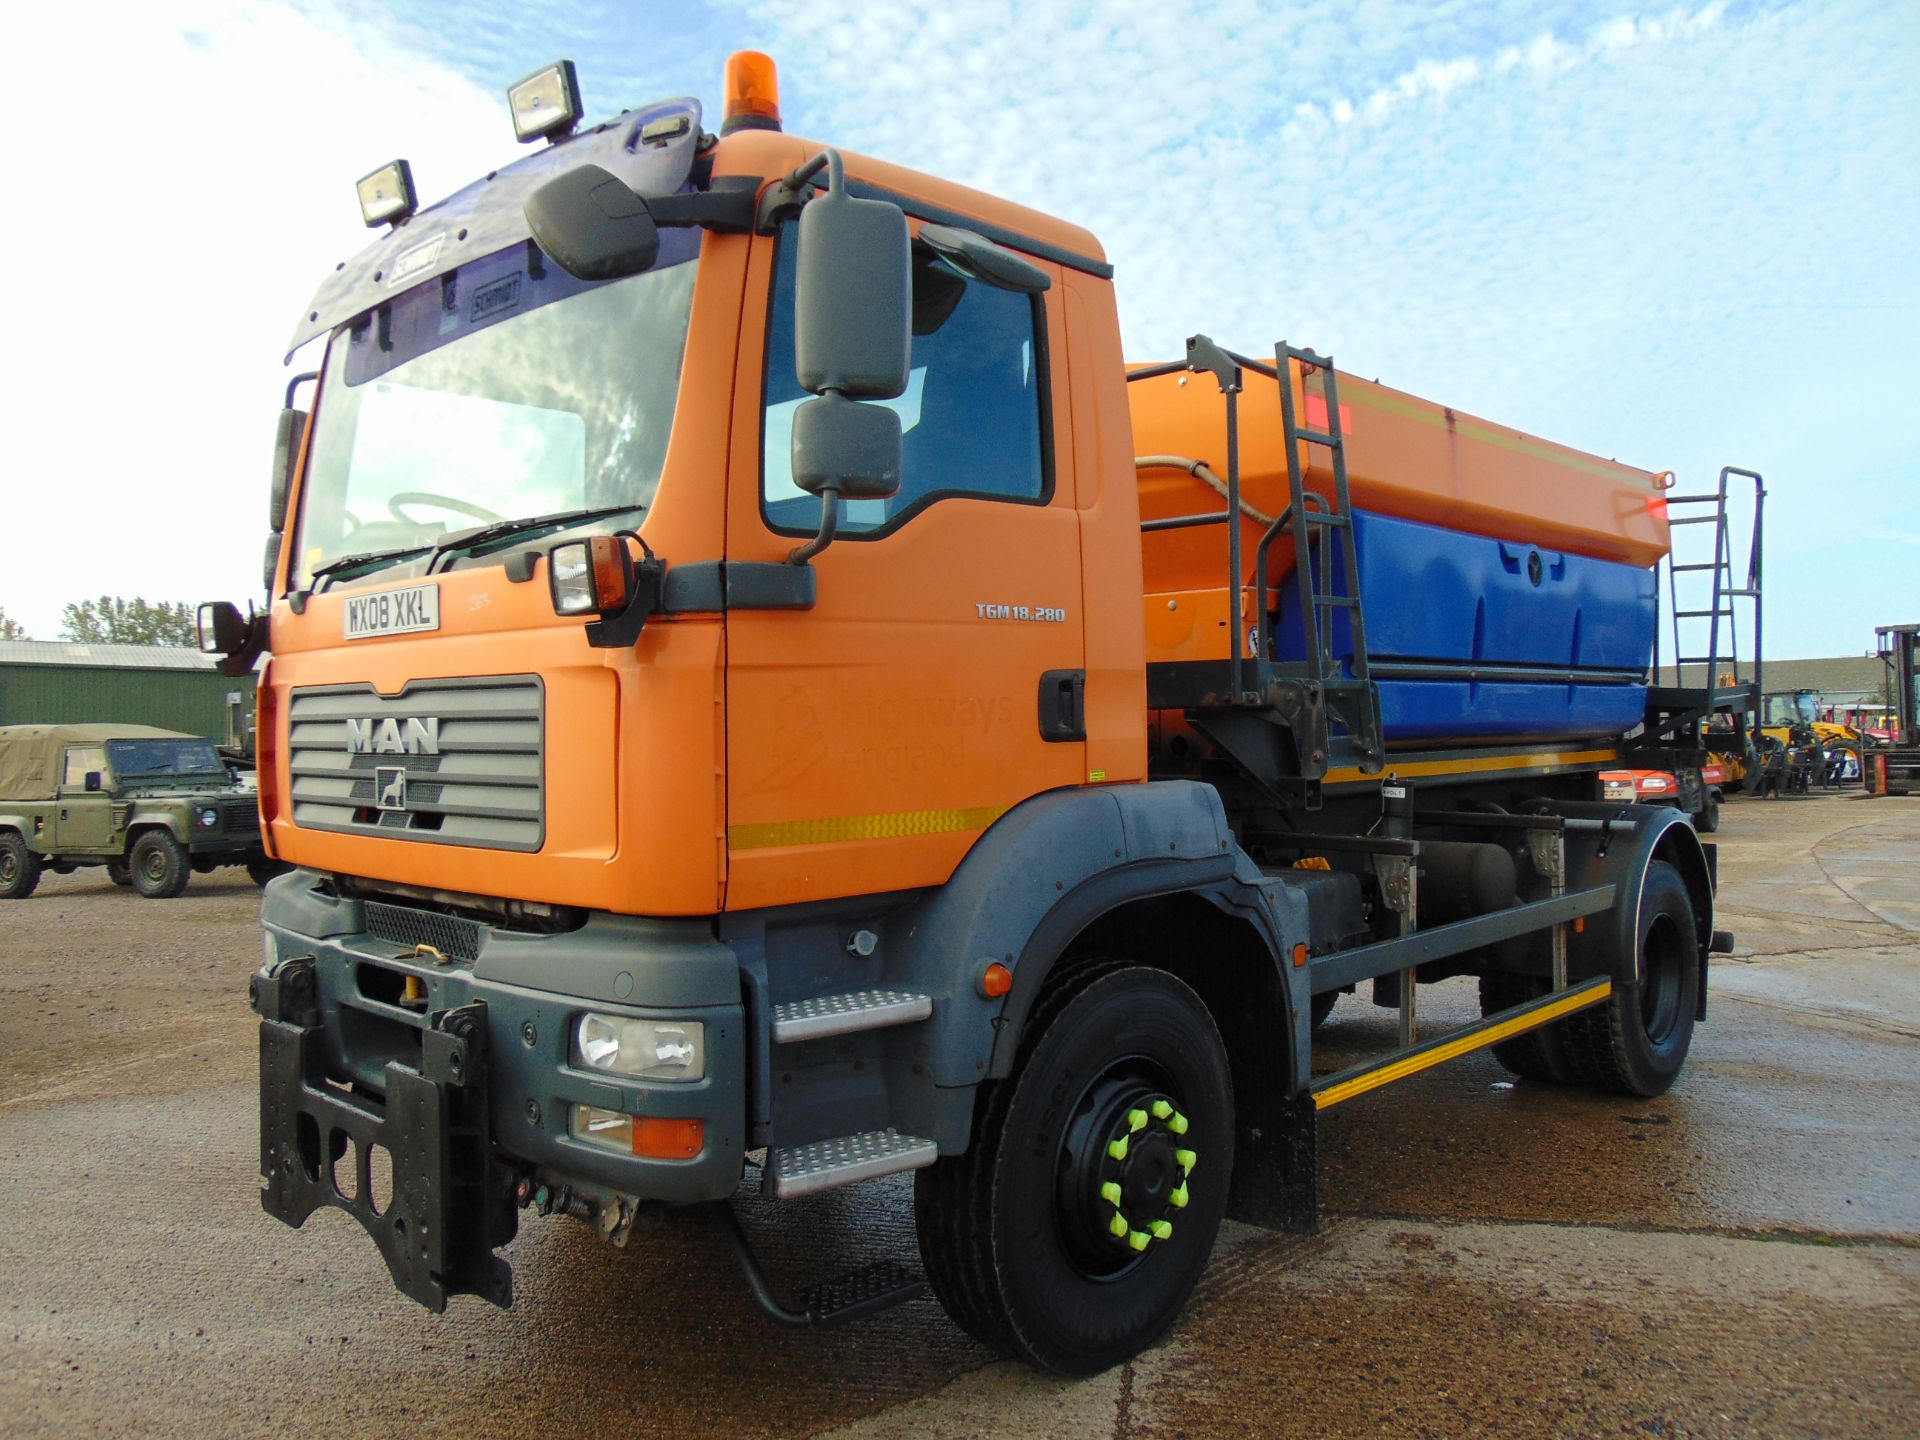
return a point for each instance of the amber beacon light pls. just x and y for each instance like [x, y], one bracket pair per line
[753, 93]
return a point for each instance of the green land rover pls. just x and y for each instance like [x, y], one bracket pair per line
[151, 805]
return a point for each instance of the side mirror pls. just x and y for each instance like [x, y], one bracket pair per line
[593, 225]
[286, 454]
[94, 782]
[842, 445]
[238, 641]
[853, 301]
[219, 628]
[853, 341]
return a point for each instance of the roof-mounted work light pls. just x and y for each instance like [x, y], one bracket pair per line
[387, 196]
[753, 93]
[546, 103]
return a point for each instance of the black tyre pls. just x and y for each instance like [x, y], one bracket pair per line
[1707, 822]
[262, 870]
[120, 873]
[1636, 1042]
[1533, 1054]
[19, 866]
[1323, 1007]
[159, 865]
[1073, 1229]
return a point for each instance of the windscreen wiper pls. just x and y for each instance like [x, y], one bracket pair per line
[348, 562]
[500, 529]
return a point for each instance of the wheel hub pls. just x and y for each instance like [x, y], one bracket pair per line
[1124, 1176]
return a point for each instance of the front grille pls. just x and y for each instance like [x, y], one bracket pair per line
[453, 937]
[483, 787]
[239, 814]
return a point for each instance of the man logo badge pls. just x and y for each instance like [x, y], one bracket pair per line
[390, 787]
[420, 736]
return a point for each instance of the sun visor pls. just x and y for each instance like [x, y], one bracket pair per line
[651, 149]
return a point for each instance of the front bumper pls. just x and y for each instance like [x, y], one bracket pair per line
[448, 1044]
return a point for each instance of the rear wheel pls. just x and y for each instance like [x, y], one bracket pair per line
[159, 864]
[120, 873]
[1636, 1042]
[1073, 1229]
[1323, 1007]
[1530, 1054]
[19, 866]
[1707, 821]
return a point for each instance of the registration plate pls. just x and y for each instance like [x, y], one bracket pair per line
[393, 612]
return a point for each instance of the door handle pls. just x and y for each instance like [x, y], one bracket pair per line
[1063, 705]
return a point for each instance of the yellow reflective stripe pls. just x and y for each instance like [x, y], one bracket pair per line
[1422, 413]
[1475, 765]
[839, 828]
[1591, 993]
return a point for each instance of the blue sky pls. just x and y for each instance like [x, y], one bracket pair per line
[1681, 236]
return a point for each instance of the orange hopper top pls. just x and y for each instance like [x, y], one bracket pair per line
[1406, 457]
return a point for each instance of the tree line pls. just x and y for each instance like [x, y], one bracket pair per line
[115, 620]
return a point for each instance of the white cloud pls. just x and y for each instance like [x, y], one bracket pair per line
[1682, 235]
[193, 193]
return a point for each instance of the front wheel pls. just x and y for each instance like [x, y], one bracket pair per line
[1075, 1226]
[19, 866]
[159, 865]
[1635, 1042]
[262, 870]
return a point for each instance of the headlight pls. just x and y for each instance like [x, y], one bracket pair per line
[646, 1049]
[207, 818]
[1655, 784]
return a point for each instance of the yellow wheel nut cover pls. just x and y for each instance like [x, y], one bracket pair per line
[1178, 1199]
[1136, 1120]
[1162, 1229]
[1118, 1225]
[1184, 1158]
[1110, 1192]
[1118, 1148]
[1139, 1239]
[1161, 1109]
[1178, 1124]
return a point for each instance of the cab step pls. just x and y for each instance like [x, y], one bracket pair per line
[826, 1015]
[844, 1160]
[871, 1288]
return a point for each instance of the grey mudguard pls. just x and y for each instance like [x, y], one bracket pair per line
[1041, 875]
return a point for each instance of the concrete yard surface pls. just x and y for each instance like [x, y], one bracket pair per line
[1738, 1258]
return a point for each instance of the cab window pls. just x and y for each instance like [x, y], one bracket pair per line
[80, 760]
[971, 418]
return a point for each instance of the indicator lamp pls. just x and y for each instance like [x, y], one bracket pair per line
[753, 93]
[590, 576]
[546, 104]
[387, 196]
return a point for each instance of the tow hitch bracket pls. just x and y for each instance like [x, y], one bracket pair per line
[448, 1207]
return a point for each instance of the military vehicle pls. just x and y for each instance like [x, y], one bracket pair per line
[153, 806]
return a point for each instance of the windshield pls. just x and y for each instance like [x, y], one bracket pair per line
[435, 415]
[163, 757]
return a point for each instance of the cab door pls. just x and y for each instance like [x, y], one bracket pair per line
[937, 680]
[83, 819]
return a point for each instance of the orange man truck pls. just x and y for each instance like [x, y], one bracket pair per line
[761, 693]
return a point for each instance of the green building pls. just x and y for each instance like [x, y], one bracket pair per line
[51, 682]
